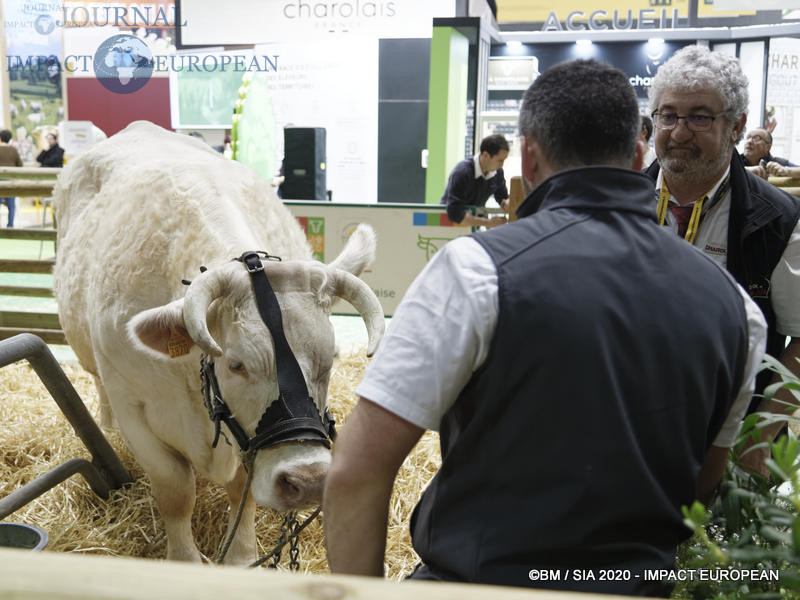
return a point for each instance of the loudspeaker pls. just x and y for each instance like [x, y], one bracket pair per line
[304, 164]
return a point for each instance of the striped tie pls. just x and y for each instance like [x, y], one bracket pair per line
[683, 215]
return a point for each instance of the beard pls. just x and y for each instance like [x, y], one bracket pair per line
[689, 165]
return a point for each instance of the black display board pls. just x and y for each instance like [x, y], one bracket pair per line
[304, 165]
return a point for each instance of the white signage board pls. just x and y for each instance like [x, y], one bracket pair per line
[76, 136]
[783, 100]
[408, 237]
[210, 23]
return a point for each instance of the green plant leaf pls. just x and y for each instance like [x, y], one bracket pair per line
[796, 536]
[775, 535]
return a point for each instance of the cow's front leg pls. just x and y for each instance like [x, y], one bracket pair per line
[242, 550]
[173, 487]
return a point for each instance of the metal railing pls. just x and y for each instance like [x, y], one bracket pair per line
[105, 471]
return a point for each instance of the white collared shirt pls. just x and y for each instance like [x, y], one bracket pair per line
[712, 239]
[478, 171]
[441, 333]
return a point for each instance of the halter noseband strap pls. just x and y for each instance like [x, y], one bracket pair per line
[293, 416]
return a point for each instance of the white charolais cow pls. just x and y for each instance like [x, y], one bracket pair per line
[141, 211]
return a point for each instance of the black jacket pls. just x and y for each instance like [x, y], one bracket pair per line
[761, 221]
[52, 157]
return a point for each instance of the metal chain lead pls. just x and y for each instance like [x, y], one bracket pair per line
[294, 551]
[276, 555]
[291, 535]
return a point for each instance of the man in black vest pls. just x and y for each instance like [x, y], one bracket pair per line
[699, 101]
[586, 370]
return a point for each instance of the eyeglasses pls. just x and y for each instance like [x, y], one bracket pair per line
[667, 121]
[756, 138]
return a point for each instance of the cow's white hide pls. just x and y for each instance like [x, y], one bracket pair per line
[138, 213]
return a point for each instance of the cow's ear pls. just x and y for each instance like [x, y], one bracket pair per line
[160, 332]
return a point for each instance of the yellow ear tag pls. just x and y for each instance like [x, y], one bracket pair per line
[178, 344]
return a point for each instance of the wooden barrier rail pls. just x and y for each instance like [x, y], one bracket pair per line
[29, 172]
[26, 265]
[27, 182]
[45, 325]
[59, 576]
[787, 184]
[26, 189]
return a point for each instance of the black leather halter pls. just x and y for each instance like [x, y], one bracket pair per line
[293, 416]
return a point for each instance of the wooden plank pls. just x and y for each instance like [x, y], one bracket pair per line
[62, 576]
[784, 181]
[25, 265]
[794, 191]
[49, 336]
[32, 233]
[29, 320]
[26, 189]
[29, 172]
[516, 195]
[27, 291]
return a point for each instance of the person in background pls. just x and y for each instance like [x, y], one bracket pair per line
[9, 157]
[699, 100]
[573, 424]
[647, 132]
[474, 180]
[757, 153]
[53, 156]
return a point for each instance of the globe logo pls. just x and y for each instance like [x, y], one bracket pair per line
[123, 64]
[44, 24]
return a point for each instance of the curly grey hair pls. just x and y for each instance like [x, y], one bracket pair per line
[695, 67]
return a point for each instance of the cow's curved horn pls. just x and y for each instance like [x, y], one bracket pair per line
[349, 287]
[209, 286]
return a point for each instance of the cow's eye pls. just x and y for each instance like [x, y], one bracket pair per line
[238, 368]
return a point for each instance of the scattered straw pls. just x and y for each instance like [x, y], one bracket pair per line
[35, 437]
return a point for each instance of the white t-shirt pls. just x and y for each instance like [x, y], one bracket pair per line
[712, 239]
[440, 334]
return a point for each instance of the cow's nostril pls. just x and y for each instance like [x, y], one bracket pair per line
[289, 484]
[300, 487]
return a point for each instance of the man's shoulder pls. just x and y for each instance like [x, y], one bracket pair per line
[10, 152]
[466, 165]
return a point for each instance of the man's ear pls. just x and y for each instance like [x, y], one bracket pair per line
[535, 166]
[738, 126]
[638, 155]
[529, 158]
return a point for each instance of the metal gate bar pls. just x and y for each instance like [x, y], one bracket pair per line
[105, 472]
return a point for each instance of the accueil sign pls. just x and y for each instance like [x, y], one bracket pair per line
[645, 18]
[577, 15]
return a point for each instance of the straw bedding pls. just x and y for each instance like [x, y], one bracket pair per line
[35, 437]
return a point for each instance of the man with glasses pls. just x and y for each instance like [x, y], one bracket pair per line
[757, 153]
[699, 102]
